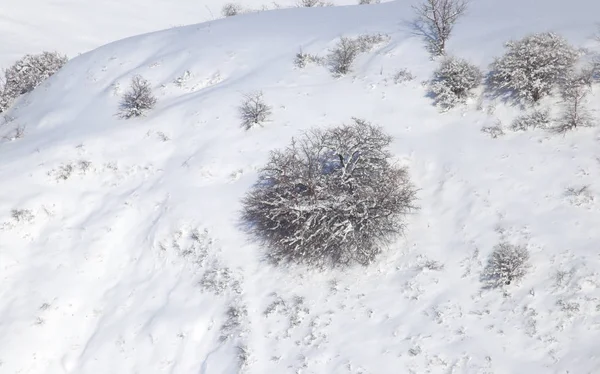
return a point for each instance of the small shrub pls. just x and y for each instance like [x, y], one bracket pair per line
[138, 100]
[507, 264]
[312, 3]
[532, 120]
[367, 42]
[231, 9]
[453, 82]
[403, 75]
[254, 110]
[342, 56]
[28, 73]
[532, 67]
[495, 131]
[303, 59]
[368, 2]
[332, 197]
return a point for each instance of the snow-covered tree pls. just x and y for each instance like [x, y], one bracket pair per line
[532, 66]
[138, 100]
[507, 264]
[436, 19]
[28, 73]
[454, 81]
[332, 197]
[254, 110]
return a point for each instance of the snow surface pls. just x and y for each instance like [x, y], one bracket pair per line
[120, 242]
[77, 26]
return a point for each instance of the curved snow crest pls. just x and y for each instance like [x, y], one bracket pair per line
[120, 246]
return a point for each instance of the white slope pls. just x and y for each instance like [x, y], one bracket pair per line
[77, 26]
[111, 231]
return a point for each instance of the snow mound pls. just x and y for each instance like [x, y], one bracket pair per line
[120, 245]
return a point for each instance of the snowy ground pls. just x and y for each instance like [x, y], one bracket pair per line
[77, 26]
[120, 247]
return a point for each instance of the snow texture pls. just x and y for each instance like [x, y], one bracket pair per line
[121, 243]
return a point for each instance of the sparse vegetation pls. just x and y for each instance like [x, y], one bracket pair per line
[304, 59]
[403, 75]
[332, 197]
[313, 3]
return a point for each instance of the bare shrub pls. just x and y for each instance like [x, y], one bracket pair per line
[22, 215]
[403, 75]
[494, 131]
[254, 110]
[574, 111]
[28, 73]
[303, 59]
[138, 100]
[578, 196]
[435, 21]
[231, 9]
[332, 197]
[532, 67]
[366, 42]
[507, 264]
[368, 2]
[312, 3]
[453, 82]
[538, 118]
[342, 56]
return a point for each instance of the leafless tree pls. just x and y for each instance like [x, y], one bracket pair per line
[435, 21]
[575, 112]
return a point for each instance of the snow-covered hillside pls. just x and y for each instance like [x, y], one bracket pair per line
[120, 242]
[77, 26]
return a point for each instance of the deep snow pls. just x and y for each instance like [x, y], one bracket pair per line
[120, 245]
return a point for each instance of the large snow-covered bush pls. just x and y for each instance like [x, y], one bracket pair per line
[138, 100]
[28, 73]
[532, 66]
[453, 82]
[507, 263]
[332, 197]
